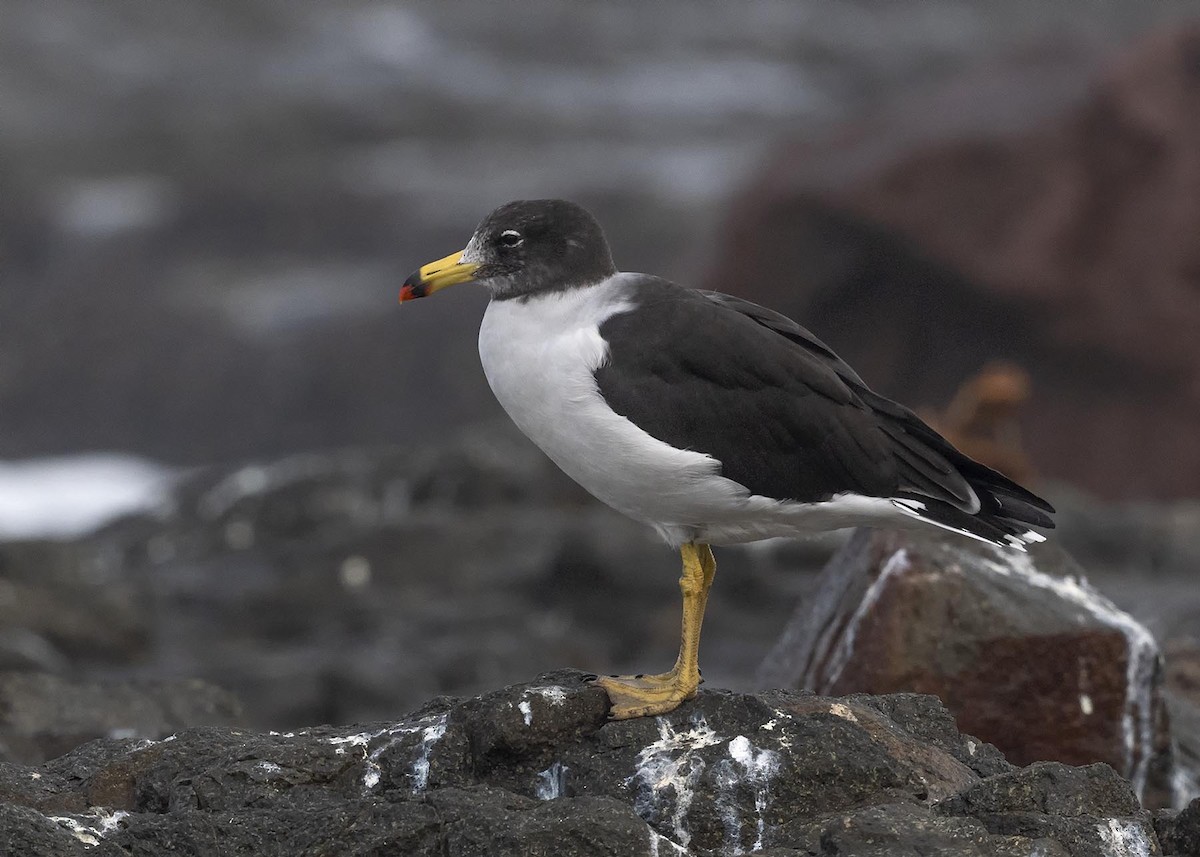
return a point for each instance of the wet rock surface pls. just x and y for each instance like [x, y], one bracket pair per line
[1025, 654]
[537, 768]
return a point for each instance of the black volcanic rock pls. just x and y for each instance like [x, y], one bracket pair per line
[1179, 832]
[537, 769]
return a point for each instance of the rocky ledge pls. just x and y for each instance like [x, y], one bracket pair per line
[537, 769]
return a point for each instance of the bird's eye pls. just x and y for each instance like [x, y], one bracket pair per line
[510, 238]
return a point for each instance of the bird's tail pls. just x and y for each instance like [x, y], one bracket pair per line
[944, 487]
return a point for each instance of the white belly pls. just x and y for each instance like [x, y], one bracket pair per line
[539, 356]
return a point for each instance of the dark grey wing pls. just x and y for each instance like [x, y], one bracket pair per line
[924, 453]
[778, 409]
[785, 416]
[784, 326]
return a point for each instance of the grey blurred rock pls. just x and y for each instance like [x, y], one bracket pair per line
[1185, 747]
[69, 602]
[27, 831]
[537, 769]
[43, 716]
[1179, 832]
[348, 585]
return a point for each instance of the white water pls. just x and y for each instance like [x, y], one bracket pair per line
[72, 496]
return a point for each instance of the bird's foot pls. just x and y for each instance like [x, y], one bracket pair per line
[647, 695]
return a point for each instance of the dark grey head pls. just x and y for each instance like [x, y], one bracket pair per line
[524, 248]
[538, 245]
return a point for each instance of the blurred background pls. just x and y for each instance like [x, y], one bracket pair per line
[207, 208]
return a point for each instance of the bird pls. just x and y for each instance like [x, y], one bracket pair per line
[711, 419]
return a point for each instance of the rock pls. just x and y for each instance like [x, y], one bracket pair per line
[1185, 738]
[537, 769]
[1024, 654]
[1160, 540]
[68, 603]
[904, 830]
[1062, 242]
[43, 716]
[1179, 832]
[346, 585]
[26, 831]
[1049, 787]
[1088, 810]
[1183, 668]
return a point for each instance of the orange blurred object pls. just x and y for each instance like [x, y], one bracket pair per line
[982, 419]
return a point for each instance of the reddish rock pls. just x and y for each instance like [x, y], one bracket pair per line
[939, 237]
[1025, 657]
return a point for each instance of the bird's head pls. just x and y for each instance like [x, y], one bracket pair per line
[520, 249]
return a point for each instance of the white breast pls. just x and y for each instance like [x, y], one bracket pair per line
[540, 356]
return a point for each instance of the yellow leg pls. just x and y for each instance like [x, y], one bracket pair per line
[641, 696]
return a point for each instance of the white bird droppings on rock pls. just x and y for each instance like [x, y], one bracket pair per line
[897, 564]
[747, 766]
[667, 772]
[360, 739]
[553, 694]
[785, 742]
[1124, 838]
[551, 783]
[1086, 705]
[657, 840]
[432, 728]
[430, 735]
[103, 823]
